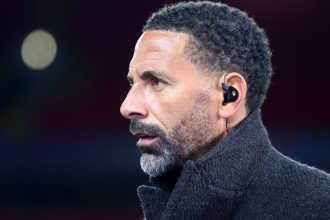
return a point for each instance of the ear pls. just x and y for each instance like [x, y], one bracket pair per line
[228, 110]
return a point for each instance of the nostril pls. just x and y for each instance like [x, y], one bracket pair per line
[135, 115]
[133, 112]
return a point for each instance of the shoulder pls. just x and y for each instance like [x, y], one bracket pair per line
[291, 187]
[284, 171]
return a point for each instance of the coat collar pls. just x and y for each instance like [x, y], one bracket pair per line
[217, 180]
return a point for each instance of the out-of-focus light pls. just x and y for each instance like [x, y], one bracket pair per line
[38, 49]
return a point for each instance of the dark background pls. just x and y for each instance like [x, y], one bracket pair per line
[65, 150]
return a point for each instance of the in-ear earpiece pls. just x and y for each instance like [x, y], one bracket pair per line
[231, 94]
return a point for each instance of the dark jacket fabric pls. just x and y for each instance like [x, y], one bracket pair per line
[243, 177]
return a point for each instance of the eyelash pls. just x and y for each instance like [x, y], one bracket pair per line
[156, 81]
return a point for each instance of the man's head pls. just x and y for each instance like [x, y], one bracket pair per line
[176, 102]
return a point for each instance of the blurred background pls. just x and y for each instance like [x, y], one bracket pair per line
[65, 150]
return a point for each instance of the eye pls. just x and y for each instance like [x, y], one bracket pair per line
[157, 82]
[154, 79]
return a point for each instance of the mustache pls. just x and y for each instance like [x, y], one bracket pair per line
[136, 126]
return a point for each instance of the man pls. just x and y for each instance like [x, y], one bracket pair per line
[199, 75]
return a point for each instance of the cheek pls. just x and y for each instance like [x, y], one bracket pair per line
[167, 110]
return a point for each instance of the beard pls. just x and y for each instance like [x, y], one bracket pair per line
[190, 138]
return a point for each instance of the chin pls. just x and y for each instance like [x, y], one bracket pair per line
[154, 165]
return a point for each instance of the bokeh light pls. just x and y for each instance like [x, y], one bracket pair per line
[38, 49]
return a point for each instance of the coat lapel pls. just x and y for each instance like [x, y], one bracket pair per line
[213, 186]
[153, 201]
[194, 198]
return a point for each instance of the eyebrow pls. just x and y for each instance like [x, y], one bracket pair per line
[150, 73]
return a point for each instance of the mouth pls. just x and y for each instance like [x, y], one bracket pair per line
[146, 140]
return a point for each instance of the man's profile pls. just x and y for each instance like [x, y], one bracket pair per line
[199, 75]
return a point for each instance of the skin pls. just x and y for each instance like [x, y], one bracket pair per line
[173, 94]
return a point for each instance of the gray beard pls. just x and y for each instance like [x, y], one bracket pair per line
[191, 136]
[157, 165]
[161, 157]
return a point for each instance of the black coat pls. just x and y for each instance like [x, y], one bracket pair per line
[243, 177]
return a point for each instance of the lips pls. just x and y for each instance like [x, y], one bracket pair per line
[146, 139]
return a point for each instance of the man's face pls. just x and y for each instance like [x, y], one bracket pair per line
[170, 104]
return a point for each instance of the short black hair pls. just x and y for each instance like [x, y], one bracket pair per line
[222, 38]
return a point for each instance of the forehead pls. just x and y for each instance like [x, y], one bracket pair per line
[158, 47]
[161, 40]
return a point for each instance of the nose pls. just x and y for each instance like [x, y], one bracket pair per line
[134, 106]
